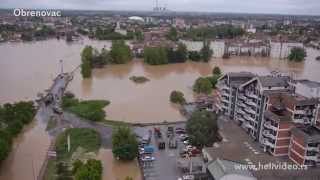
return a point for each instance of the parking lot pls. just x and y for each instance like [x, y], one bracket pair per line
[164, 164]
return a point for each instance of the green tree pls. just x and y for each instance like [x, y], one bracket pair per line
[124, 144]
[172, 34]
[177, 97]
[194, 56]
[86, 59]
[155, 55]
[202, 85]
[92, 170]
[297, 54]
[216, 71]
[202, 129]
[5, 148]
[120, 52]
[205, 51]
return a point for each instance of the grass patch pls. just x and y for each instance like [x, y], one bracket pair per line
[90, 109]
[89, 139]
[139, 79]
[51, 170]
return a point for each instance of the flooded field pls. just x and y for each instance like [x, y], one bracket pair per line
[29, 68]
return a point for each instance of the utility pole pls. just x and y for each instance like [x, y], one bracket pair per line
[68, 142]
[61, 64]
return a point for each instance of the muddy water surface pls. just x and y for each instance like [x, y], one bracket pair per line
[28, 68]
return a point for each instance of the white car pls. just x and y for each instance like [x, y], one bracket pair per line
[148, 158]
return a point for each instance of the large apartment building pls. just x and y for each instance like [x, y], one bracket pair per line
[252, 99]
[273, 111]
[228, 86]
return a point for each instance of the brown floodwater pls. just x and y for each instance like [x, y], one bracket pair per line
[29, 68]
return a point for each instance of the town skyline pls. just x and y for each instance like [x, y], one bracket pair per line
[296, 7]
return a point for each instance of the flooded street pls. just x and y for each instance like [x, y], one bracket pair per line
[29, 68]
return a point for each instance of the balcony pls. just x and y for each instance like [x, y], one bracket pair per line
[251, 103]
[269, 126]
[249, 118]
[267, 133]
[240, 119]
[240, 111]
[316, 149]
[241, 104]
[224, 106]
[251, 95]
[248, 126]
[312, 158]
[266, 142]
[225, 100]
[225, 94]
[242, 97]
[249, 110]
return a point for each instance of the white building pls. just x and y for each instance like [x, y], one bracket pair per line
[218, 48]
[119, 30]
[307, 88]
[192, 45]
[282, 50]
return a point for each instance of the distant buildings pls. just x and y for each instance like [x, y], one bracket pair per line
[281, 49]
[280, 113]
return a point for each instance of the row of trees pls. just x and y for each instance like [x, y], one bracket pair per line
[12, 119]
[206, 84]
[108, 33]
[221, 31]
[162, 55]
[120, 53]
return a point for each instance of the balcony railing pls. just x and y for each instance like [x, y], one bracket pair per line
[252, 95]
[249, 110]
[251, 103]
[225, 94]
[312, 158]
[266, 142]
[241, 104]
[267, 133]
[316, 149]
[242, 97]
[249, 118]
[269, 126]
[240, 111]
[248, 126]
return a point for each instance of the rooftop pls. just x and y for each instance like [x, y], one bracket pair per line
[238, 146]
[220, 168]
[310, 134]
[274, 81]
[311, 84]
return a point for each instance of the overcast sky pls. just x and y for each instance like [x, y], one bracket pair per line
[246, 6]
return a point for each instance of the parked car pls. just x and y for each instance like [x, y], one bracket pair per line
[148, 158]
[173, 143]
[161, 145]
[170, 131]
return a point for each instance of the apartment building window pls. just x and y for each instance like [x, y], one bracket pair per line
[311, 153]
